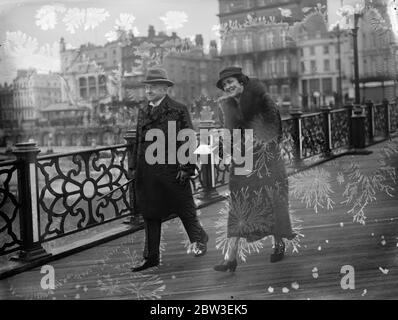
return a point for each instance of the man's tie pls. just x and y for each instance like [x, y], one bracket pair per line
[150, 108]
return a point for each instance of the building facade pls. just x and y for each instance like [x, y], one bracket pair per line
[84, 70]
[8, 116]
[237, 10]
[32, 92]
[378, 55]
[264, 47]
[92, 73]
[266, 52]
[194, 73]
[325, 58]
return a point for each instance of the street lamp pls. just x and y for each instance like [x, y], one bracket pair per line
[338, 33]
[356, 59]
[350, 15]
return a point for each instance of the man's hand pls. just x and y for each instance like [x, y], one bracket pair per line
[182, 176]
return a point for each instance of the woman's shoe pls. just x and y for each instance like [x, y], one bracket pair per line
[227, 265]
[279, 252]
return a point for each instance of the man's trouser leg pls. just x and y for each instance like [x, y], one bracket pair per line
[153, 232]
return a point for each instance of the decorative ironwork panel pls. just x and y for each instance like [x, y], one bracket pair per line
[313, 135]
[70, 186]
[394, 117]
[221, 172]
[380, 121]
[367, 123]
[340, 128]
[10, 205]
[197, 183]
[287, 144]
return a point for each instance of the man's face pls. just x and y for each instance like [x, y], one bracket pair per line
[155, 92]
[232, 86]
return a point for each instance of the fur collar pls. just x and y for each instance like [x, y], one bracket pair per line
[238, 113]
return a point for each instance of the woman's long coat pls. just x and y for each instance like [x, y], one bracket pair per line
[158, 192]
[259, 202]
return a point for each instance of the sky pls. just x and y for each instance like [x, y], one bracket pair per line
[31, 29]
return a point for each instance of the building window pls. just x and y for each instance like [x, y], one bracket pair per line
[303, 67]
[313, 66]
[83, 88]
[270, 40]
[312, 51]
[327, 86]
[314, 85]
[102, 85]
[284, 66]
[247, 43]
[273, 66]
[248, 68]
[263, 42]
[92, 87]
[302, 52]
[265, 68]
[326, 49]
[386, 69]
[326, 65]
[273, 90]
[285, 91]
[283, 39]
[235, 44]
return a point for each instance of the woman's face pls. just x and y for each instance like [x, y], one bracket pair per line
[232, 86]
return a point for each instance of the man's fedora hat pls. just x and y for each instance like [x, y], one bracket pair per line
[228, 72]
[157, 75]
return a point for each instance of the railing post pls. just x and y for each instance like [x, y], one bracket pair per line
[26, 154]
[297, 137]
[327, 124]
[349, 108]
[209, 192]
[369, 104]
[358, 131]
[136, 219]
[386, 105]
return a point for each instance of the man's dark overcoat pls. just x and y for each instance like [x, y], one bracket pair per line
[158, 192]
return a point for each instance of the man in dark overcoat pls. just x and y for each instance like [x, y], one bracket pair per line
[163, 189]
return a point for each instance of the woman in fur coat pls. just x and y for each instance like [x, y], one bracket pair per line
[259, 203]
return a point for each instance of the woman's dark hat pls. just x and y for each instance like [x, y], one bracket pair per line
[157, 75]
[228, 72]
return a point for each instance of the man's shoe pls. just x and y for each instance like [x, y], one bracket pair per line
[201, 247]
[147, 264]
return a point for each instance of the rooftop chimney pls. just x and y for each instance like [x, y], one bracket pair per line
[151, 32]
[199, 40]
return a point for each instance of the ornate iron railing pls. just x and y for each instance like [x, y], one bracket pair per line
[313, 135]
[48, 197]
[70, 185]
[380, 121]
[394, 117]
[10, 237]
[340, 131]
